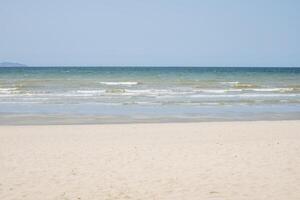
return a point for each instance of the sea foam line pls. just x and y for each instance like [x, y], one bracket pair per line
[128, 83]
[272, 89]
[242, 95]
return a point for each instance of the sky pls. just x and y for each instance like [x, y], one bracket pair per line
[150, 33]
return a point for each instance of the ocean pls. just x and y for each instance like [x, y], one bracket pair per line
[79, 95]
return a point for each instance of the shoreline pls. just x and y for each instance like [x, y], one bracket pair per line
[207, 160]
[148, 122]
[32, 120]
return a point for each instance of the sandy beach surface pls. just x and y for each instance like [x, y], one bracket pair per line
[209, 160]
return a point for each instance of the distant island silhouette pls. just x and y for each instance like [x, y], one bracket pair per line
[12, 64]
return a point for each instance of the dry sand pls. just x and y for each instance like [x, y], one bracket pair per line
[214, 160]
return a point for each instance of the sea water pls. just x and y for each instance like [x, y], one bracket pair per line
[143, 94]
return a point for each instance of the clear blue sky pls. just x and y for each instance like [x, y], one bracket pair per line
[153, 32]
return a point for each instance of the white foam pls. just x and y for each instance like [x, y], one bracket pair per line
[272, 89]
[242, 95]
[147, 103]
[213, 91]
[218, 91]
[147, 92]
[8, 90]
[230, 83]
[90, 91]
[128, 83]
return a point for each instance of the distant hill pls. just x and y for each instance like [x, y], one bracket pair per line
[11, 64]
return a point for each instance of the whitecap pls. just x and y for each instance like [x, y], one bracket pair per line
[219, 91]
[90, 91]
[8, 90]
[241, 95]
[230, 83]
[127, 83]
[272, 89]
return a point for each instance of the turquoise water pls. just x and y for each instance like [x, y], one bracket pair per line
[148, 94]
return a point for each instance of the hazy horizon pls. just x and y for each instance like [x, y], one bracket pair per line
[158, 66]
[133, 33]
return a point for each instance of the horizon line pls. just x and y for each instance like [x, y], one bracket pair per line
[191, 66]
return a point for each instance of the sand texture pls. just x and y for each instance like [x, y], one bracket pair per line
[213, 160]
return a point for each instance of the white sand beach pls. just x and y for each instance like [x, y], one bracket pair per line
[209, 160]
